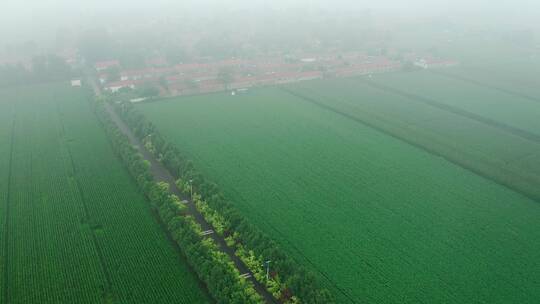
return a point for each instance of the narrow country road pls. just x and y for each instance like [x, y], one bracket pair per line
[161, 174]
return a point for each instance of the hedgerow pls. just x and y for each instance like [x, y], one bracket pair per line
[289, 282]
[212, 266]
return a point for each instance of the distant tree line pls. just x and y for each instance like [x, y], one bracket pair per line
[131, 49]
[212, 266]
[45, 68]
[296, 284]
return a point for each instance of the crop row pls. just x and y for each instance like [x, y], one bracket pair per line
[41, 191]
[6, 137]
[79, 230]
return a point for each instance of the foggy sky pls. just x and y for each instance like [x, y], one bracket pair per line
[28, 19]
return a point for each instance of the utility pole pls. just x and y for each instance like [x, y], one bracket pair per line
[267, 263]
[191, 188]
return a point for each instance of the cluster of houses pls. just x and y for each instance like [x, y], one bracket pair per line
[432, 63]
[239, 74]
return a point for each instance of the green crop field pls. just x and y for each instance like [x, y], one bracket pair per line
[380, 218]
[505, 108]
[519, 77]
[427, 111]
[74, 228]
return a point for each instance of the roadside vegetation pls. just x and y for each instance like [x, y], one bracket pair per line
[212, 266]
[287, 281]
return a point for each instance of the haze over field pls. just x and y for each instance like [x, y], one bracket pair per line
[269, 151]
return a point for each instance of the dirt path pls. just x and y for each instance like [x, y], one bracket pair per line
[161, 174]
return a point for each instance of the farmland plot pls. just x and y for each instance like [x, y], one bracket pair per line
[517, 78]
[77, 230]
[485, 149]
[504, 108]
[496, 63]
[381, 220]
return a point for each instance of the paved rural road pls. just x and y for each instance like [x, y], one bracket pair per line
[160, 173]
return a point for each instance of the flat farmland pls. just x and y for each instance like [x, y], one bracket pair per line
[381, 220]
[520, 78]
[487, 103]
[488, 148]
[75, 229]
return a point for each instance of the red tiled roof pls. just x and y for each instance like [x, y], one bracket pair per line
[160, 61]
[126, 83]
[106, 64]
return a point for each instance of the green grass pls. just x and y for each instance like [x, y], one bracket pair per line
[77, 230]
[382, 220]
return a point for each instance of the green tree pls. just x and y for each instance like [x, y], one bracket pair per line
[95, 45]
[113, 73]
[226, 76]
[149, 92]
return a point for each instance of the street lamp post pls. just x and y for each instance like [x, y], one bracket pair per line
[267, 263]
[191, 188]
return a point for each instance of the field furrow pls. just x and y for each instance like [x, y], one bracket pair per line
[7, 127]
[494, 105]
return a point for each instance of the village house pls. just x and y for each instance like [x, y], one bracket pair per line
[210, 86]
[367, 68]
[243, 82]
[103, 78]
[431, 63]
[157, 62]
[197, 77]
[70, 56]
[104, 65]
[76, 83]
[114, 87]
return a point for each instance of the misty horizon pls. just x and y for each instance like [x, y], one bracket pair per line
[269, 152]
[39, 20]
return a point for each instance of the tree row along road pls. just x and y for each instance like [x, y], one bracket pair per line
[161, 174]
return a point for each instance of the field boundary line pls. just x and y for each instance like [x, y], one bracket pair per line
[486, 85]
[99, 252]
[6, 221]
[479, 173]
[457, 111]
